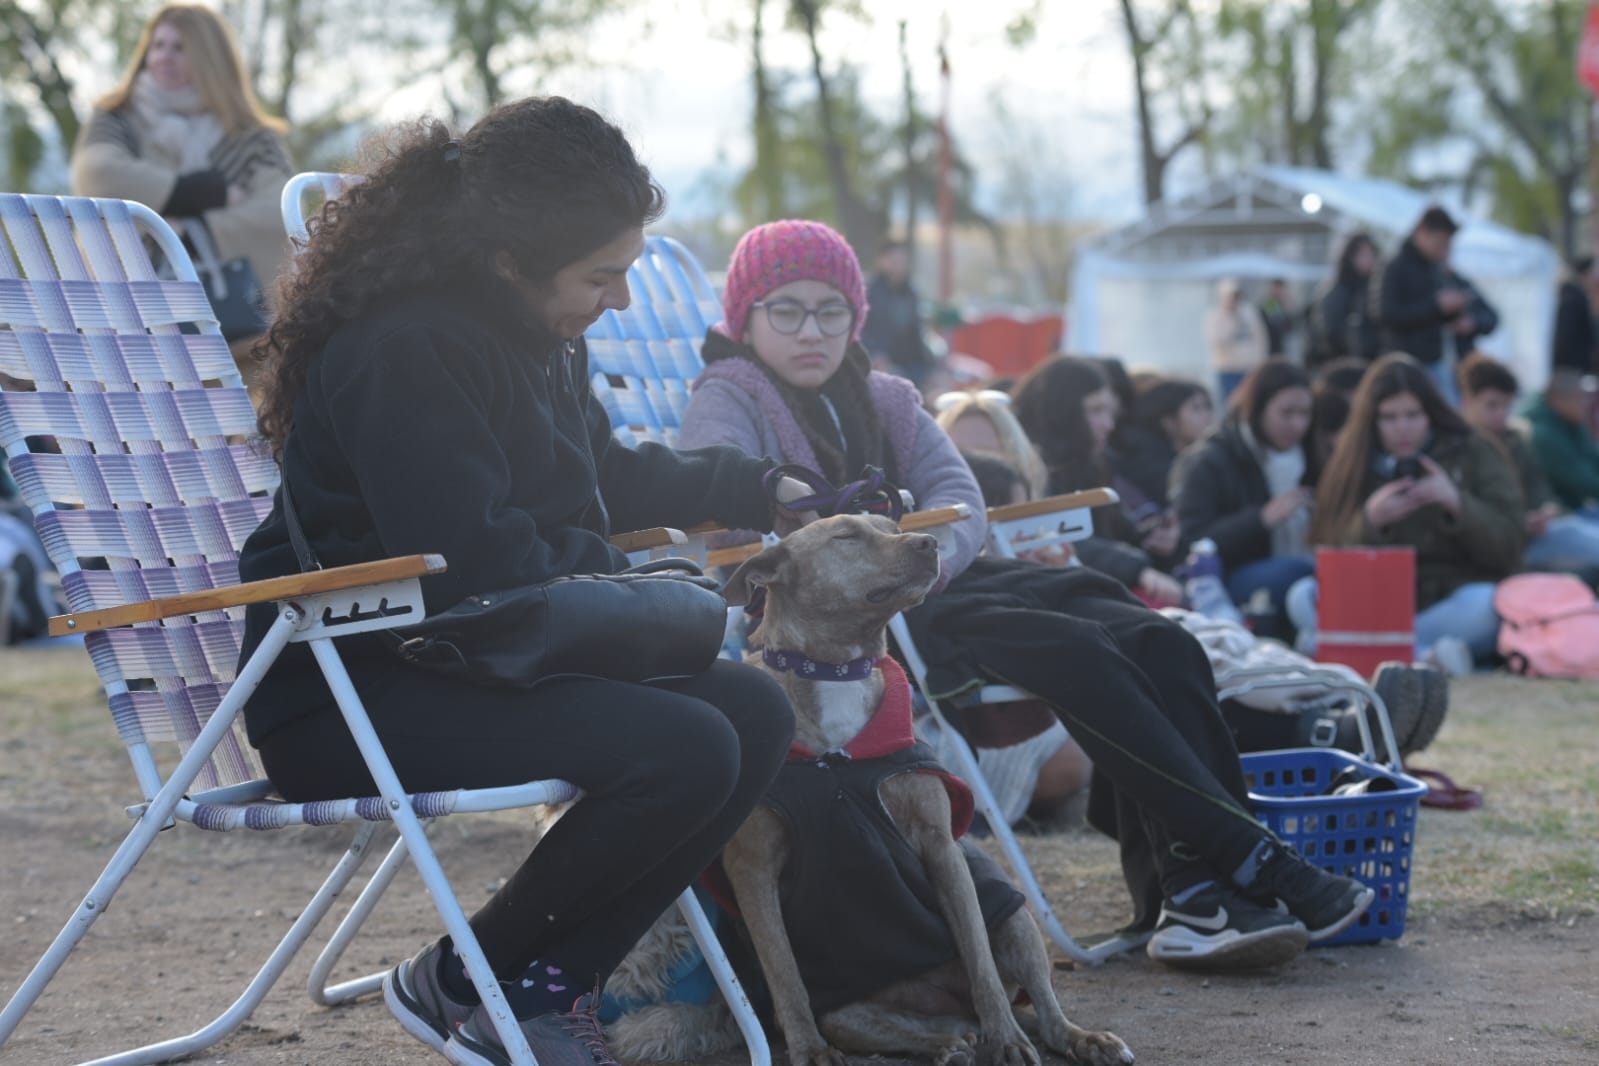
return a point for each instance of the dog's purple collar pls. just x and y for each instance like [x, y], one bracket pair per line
[792, 662]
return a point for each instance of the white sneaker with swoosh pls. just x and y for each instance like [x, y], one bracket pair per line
[1218, 929]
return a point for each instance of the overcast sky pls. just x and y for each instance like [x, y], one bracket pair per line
[679, 83]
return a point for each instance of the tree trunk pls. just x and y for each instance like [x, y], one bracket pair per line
[850, 215]
[1153, 166]
[1325, 27]
[909, 144]
[483, 37]
[293, 39]
[768, 147]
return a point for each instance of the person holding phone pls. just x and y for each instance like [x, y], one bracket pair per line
[1409, 470]
[1246, 486]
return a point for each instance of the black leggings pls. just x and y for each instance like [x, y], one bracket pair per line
[669, 772]
[1136, 691]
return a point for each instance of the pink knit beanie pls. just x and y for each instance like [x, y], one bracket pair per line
[772, 255]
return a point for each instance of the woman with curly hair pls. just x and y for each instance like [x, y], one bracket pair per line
[428, 391]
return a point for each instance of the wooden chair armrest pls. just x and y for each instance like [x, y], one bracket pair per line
[1071, 501]
[911, 523]
[645, 539]
[267, 591]
[917, 521]
[733, 555]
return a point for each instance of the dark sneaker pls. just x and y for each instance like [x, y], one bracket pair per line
[1417, 697]
[1218, 929]
[415, 996]
[560, 1038]
[1326, 902]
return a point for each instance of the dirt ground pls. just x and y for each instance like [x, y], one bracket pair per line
[1500, 962]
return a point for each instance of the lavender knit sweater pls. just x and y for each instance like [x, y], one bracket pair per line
[734, 404]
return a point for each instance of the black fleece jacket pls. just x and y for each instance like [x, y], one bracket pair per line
[1219, 489]
[448, 422]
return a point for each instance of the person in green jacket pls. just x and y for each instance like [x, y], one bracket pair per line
[1408, 470]
[1557, 542]
[1563, 442]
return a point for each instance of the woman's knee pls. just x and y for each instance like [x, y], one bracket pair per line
[752, 704]
[726, 724]
[1467, 614]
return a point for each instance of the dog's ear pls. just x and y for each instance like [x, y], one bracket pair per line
[758, 571]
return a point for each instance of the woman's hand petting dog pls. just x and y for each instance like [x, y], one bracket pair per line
[785, 521]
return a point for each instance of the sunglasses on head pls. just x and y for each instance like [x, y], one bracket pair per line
[950, 400]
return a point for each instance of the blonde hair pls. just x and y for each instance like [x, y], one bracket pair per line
[1016, 448]
[214, 63]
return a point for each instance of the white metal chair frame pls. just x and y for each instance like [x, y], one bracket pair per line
[108, 296]
[1014, 529]
[293, 199]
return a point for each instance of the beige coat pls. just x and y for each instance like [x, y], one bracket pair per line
[1237, 338]
[109, 161]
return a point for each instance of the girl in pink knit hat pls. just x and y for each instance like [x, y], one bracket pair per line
[785, 378]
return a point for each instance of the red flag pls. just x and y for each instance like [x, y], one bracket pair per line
[1588, 51]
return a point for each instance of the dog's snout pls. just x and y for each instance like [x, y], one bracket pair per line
[924, 542]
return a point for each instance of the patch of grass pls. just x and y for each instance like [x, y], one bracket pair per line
[1586, 1039]
[1563, 882]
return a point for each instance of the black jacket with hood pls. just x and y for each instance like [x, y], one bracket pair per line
[1219, 488]
[449, 422]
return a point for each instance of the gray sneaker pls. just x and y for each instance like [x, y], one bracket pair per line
[1417, 696]
[560, 1038]
[416, 998]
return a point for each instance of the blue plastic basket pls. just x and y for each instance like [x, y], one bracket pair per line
[1369, 837]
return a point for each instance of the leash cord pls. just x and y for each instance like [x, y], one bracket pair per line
[871, 493]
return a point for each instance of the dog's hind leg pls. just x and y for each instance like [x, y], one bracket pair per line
[876, 1029]
[1022, 959]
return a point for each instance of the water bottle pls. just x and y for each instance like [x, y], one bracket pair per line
[1204, 588]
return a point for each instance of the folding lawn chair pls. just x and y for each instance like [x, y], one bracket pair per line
[131, 449]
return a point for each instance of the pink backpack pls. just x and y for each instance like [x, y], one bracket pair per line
[1551, 626]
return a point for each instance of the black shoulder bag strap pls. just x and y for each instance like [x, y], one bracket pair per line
[291, 518]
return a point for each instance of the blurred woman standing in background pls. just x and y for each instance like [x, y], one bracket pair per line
[185, 135]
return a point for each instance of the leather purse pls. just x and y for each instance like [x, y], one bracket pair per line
[660, 620]
[232, 287]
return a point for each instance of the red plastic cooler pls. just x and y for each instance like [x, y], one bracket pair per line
[1367, 606]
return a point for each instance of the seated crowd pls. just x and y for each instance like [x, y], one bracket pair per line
[529, 222]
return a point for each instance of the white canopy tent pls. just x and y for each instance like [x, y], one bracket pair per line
[1141, 292]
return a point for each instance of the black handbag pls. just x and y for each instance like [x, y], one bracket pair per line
[663, 619]
[232, 287]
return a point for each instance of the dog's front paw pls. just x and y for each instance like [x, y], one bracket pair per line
[818, 1053]
[1099, 1049]
[1009, 1049]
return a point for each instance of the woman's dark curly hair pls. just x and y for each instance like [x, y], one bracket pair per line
[544, 180]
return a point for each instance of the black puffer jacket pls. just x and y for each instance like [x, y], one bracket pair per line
[1410, 315]
[447, 422]
[1219, 489]
[1344, 322]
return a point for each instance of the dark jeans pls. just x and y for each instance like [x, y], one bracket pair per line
[1136, 691]
[1276, 575]
[668, 771]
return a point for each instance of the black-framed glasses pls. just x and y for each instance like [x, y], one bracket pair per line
[833, 319]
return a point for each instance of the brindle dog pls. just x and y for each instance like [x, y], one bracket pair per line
[831, 589]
